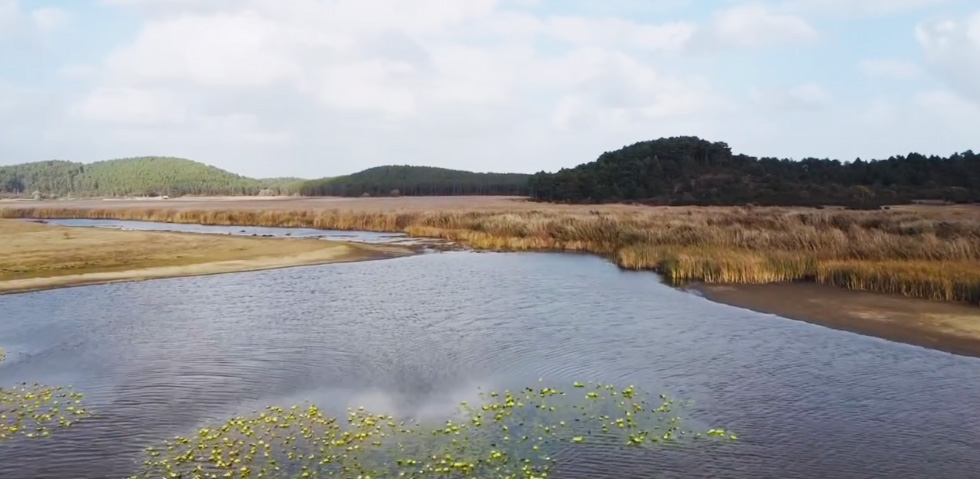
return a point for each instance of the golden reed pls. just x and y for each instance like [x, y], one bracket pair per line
[908, 253]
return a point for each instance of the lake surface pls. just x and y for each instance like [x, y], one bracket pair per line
[416, 335]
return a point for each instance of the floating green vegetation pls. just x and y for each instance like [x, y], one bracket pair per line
[509, 435]
[33, 411]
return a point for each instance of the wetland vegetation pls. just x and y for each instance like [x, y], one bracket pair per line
[931, 254]
[506, 435]
[509, 435]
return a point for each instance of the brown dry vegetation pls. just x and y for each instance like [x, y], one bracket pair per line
[924, 253]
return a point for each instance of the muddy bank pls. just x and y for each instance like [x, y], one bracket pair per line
[951, 327]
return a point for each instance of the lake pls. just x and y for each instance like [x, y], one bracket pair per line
[415, 335]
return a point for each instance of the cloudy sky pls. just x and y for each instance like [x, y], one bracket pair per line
[324, 87]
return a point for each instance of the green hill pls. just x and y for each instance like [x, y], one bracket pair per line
[417, 181]
[146, 176]
[689, 170]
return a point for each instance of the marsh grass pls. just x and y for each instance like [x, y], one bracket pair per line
[939, 280]
[925, 255]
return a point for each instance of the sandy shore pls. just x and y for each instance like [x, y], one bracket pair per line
[37, 256]
[950, 327]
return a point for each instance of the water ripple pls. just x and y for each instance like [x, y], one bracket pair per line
[417, 335]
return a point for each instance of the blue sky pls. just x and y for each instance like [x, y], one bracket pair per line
[324, 87]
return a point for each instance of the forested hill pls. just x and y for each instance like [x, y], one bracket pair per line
[146, 176]
[689, 170]
[417, 181]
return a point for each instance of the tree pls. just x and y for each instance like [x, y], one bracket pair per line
[689, 170]
[418, 181]
[133, 176]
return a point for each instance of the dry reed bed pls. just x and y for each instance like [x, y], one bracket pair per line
[915, 254]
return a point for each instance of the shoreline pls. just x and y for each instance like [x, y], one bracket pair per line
[342, 253]
[944, 326]
[37, 257]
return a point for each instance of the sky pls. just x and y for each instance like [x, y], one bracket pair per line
[316, 88]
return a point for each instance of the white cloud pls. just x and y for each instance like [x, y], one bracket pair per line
[9, 10]
[398, 60]
[880, 111]
[860, 7]
[807, 96]
[932, 122]
[944, 103]
[14, 22]
[163, 3]
[612, 90]
[48, 19]
[952, 49]
[478, 76]
[893, 69]
[241, 49]
[169, 6]
[617, 32]
[131, 106]
[754, 25]
[373, 85]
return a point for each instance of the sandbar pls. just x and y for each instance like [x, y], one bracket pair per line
[37, 256]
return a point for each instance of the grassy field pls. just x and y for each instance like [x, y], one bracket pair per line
[916, 251]
[36, 256]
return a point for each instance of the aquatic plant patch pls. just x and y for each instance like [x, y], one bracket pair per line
[508, 434]
[33, 411]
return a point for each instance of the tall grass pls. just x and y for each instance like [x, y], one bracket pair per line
[913, 254]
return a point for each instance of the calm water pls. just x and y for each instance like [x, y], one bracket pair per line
[416, 335]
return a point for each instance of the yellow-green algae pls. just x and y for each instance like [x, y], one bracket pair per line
[508, 435]
[33, 410]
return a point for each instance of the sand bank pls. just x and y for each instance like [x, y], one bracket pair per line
[950, 327]
[36, 256]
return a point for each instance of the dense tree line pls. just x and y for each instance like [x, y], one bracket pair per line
[146, 176]
[417, 181]
[689, 170]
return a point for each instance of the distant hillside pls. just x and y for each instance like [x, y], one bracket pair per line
[417, 181]
[689, 170]
[146, 176]
[286, 185]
